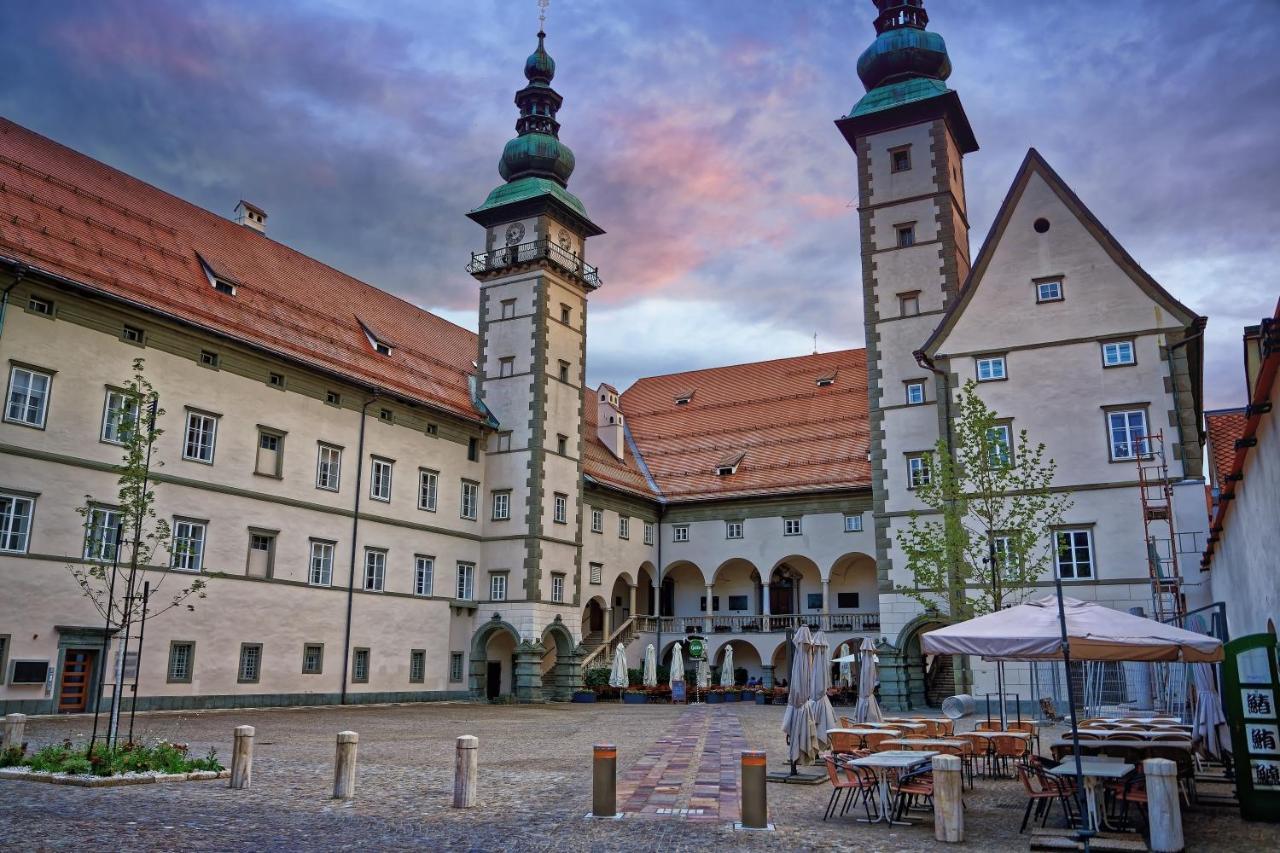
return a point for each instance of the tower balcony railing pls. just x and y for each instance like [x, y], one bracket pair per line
[535, 250]
[832, 623]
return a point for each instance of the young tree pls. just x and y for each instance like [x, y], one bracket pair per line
[991, 535]
[126, 536]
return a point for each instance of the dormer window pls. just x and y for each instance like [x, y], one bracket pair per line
[729, 464]
[684, 398]
[380, 346]
[826, 379]
[219, 281]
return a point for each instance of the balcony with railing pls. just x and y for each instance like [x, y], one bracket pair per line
[508, 257]
[832, 623]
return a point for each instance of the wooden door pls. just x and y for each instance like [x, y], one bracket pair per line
[77, 681]
[493, 685]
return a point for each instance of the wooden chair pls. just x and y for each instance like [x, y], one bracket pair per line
[1025, 726]
[917, 735]
[1006, 747]
[1131, 790]
[873, 740]
[987, 726]
[1178, 736]
[1118, 735]
[1098, 724]
[846, 723]
[1089, 736]
[980, 748]
[1042, 792]
[948, 727]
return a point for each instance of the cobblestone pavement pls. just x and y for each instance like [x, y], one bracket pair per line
[535, 787]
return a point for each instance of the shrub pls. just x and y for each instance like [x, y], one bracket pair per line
[13, 756]
[596, 677]
[162, 757]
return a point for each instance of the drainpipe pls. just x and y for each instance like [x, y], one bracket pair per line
[19, 273]
[355, 530]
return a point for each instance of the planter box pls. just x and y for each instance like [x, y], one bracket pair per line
[635, 698]
[584, 696]
[732, 697]
[715, 698]
[761, 699]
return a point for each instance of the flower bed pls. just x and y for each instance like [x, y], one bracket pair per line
[125, 764]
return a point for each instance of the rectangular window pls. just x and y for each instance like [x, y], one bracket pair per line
[1002, 555]
[4, 656]
[360, 666]
[1117, 353]
[209, 358]
[566, 315]
[380, 480]
[901, 161]
[119, 416]
[715, 603]
[498, 587]
[1075, 553]
[188, 545]
[320, 572]
[815, 601]
[201, 433]
[270, 461]
[501, 506]
[133, 334]
[648, 533]
[250, 663]
[455, 666]
[40, 305]
[333, 398]
[181, 662]
[262, 548]
[917, 471]
[424, 570]
[562, 445]
[433, 429]
[1049, 291]
[1128, 433]
[790, 527]
[313, 659]
[908, 304]
[102, 528]
[506, 366]
[328, 467]
[15, 523]
[737, 602]
[847, 600]
[417, 666]
[466, 581]
[595, 573]
[557, 588]
[597, 520]
[375, 569]
[428, 489]
[28, 399]
[680, 533]
[915, 393]
[386, 416]
[470, 499]
[560, 509]
[504, 442]
[508, 309]
[991, 368]
[906, 235]
[564, 371]
[275, 380]
[999, 445]
[624, 527]
[853, 524]
[733, 530]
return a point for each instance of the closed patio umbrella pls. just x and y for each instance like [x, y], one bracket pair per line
[650, 667]
[867, 709]
[797, 720]
[824, 716]
[619, 677]
[677, 665]
[846, 671]
[1209, 714]
[726, 668]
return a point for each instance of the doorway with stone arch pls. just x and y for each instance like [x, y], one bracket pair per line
[561, 663]
[923, 681]
[493, 660]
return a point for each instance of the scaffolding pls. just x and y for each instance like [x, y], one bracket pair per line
[1155, 491]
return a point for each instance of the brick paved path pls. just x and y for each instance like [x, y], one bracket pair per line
[665, 782]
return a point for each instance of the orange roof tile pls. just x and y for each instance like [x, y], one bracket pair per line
[1224, 427]
[599, 463]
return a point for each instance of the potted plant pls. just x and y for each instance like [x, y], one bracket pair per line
[715, 695]
[584, 695]
[732, 694]
[635, 696]
[762, 698]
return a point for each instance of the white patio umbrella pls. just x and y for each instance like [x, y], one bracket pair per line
[619, 676]
[650, 667]
[704, 674]
[797, 720]
[824, 716]
[1209, 716]
[726, 668]
[868, 709]
[846, 671]
[677, 665]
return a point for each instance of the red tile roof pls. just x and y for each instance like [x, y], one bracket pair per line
[797, 436]
[599, 463]
[1224, 426]
[71, 216]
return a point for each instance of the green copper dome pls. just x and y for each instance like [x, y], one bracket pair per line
[538, 154]
[901, 54]
[540, 67]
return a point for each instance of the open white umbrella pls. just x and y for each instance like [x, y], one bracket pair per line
[726, 668]
[846, 671]
[797, 720]
[704, 674]
[650, 667]
[677, 665]
[868, 709]
[619, 676]
[824, 716]
[1209, 716]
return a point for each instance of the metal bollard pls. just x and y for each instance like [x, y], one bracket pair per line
[604, 779]
[14, 729]
[344, 766]
[241, 757]
[466, 767]
[755, 802]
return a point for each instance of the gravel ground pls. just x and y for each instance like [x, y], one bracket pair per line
[535, 789]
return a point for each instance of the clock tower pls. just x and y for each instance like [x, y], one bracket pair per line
[534, 282]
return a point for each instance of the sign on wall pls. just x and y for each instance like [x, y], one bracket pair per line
[1251, 684]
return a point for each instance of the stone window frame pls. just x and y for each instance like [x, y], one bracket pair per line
[356, 652]
[257, 676]
[908, 299]
[272, 536]
[1144, 452]
[332, 545]
[855, 517]
[1007, 425]
[418, 658]
[48, 374]
[169, 677]
[375, 464]
[428, 486]
[123, 395]
[214, 418]
[648, 533]
[279, 435]
[560, 508]
[904, 234]
[896, 150]
[927, 474]
[472, 488]
[793, 525]
[457, 669]
[336, 469]
[597, 520]
[506, 366]
[1077, 527]
[501, 504]
[380, 577]
[624, 527]
[496, 575]
[319, 670]
[595, 573]
[507, 309]
[429, 574]
[557, 577]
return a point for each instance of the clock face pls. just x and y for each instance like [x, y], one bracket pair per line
[566, 242]
[515, 231]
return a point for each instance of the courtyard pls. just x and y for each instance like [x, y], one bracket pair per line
[534, 787]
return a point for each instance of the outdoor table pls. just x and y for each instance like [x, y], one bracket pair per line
[925, 742]
[1093, 770]
[1093, 745]
[1135, 734]
[1144, 720]
[887, 725]
[859, 731]
[883, 763]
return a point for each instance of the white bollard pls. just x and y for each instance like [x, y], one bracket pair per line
[242, 757]
[466, 767]
[1164, 809]
[344, 766]
[14, 729]
[948, 805]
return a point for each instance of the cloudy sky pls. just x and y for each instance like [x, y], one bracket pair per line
[704, 140]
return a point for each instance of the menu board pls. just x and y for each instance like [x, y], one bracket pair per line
[1249, 677]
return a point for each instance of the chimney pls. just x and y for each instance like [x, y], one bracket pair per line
[251, 216]
[609, 420]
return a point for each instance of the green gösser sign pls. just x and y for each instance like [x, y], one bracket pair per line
[695, 648]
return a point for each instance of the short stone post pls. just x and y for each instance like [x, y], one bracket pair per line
[754, 796]
[242, 757]
[1164, 810]
[14, 730]
[604, 780]
[466, 769]
[948, 790]
[344, 766]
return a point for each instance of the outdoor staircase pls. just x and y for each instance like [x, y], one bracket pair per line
[940, 681]
[599, 652]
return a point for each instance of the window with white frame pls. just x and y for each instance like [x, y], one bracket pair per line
[853, 524]
[1002, 554]
[597, 520]
[991, 368]
[624, 527]
[466, 581]
[375, 569]
[119, 416]
[101, 533]
[1117, 353]
[428, 489]
[501, 506]
[202, 432]
[915, 393]
[557, 587]
[380, 480]
[999, 445]
[506, 366]
[1128, 434]
[188, 545]
[560, 509]
[791, 527]
[595, 573]
[328, 467]
[1075, 553]
[648, 533]
[679, 533]
[470, 500]
[917, 470]
[498, 587]
[28, 399]
[733, 530]
[320, 572]
[1049, 290]
[424, 570]
[15, 523]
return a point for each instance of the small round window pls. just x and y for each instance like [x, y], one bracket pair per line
[1041, 225]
